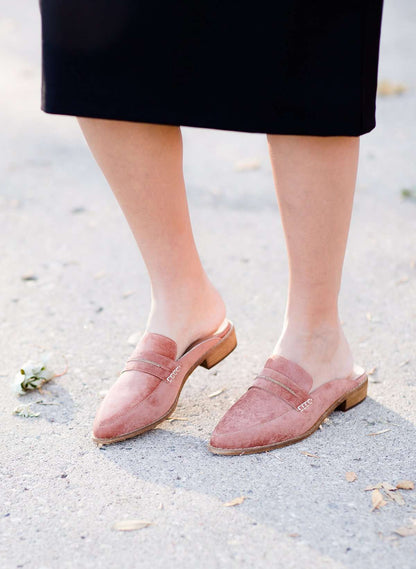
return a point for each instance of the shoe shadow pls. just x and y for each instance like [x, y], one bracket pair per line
[301, 488]
[54, 404]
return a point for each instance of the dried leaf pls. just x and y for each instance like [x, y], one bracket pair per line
[395, 496]
[378, 433]
[293, 534]
[306, 453]
[127, 293]
[405, 485]
[351, 476]
[177, 419]
[129, 525]
[377, 500]
[405, 531]
[326, 421]
[235, 502]
[25, 411]
[387, 486]
[247, 165]
[215, 393]
[379, 485]
[387, 88]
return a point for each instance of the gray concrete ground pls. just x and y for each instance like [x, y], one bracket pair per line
[60, 493]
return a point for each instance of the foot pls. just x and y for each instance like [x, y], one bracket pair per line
[188, 314]
[281, 408]
[148, 389]
[322, 351]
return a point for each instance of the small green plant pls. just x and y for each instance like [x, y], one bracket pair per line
[33, 374]
[408, 193]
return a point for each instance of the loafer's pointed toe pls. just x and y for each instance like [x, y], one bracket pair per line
[247, 423]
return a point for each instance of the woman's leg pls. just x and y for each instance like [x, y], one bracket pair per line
[315, 181]
[142, 163]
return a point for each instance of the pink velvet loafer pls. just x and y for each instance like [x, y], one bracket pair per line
[139, 401]
[280, 409]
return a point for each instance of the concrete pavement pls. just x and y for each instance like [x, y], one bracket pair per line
[60, 494]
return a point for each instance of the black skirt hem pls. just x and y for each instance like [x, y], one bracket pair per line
[174, 119]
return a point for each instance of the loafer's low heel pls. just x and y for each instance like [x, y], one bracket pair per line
[355, 397]
[220, 351]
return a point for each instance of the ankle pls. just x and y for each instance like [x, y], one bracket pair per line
[187, 314]
[306, 331]
[312, 319]
[322, 350]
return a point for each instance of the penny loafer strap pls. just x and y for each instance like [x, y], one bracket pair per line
[283, 387]
[154, 364]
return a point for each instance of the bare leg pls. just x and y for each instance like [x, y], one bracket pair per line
[142, 163]
[315, 182]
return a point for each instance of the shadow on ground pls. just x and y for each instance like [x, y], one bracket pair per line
[283, 485]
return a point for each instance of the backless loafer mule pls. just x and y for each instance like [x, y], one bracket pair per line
[280, 409]
[139, 401]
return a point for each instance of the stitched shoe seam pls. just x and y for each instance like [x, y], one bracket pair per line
[163, 369]
[285, 374]
[148, 362]
[279, 383]
[274, 395]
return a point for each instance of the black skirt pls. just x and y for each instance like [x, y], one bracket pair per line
[283, 67]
